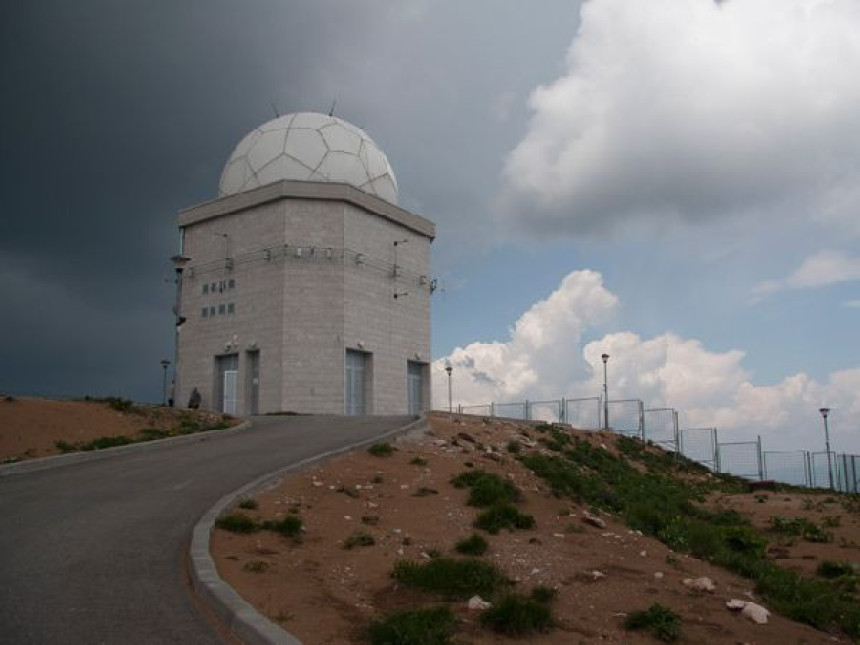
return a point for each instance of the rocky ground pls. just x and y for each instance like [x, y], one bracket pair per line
[325, 593]
[33, 427]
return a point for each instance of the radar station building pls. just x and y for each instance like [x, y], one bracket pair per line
[304, 287]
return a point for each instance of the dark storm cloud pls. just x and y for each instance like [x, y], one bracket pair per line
[117, 114]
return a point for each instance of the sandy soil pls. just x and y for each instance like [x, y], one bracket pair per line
[29, 427]
[323, 593]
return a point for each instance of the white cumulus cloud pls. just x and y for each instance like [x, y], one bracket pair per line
[818, 270]
[545, 358]
[694, 109]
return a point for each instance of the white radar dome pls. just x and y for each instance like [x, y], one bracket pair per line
[307, 146]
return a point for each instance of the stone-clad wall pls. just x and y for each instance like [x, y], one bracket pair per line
[302, 309]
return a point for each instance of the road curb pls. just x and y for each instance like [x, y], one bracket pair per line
[250, 626]
[57, 461]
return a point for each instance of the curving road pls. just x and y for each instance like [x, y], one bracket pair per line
[95, 552]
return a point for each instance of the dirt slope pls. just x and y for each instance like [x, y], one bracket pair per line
[324, 593]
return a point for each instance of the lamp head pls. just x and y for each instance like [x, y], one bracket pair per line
[824, 412]
[605, 358]
[449, 369]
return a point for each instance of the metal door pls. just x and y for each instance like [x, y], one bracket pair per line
[415, 386]
[355, 382]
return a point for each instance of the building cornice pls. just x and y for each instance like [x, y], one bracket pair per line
[286, 189]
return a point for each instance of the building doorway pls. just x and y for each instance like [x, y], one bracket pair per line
[356, 382]
[252, 372]
[227, 372]
[415, 387]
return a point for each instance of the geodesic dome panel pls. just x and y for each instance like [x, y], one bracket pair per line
[307, 146]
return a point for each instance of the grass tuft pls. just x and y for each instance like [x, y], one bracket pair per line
[474, 545]
[249, 504]
[289, 527]
[518, 616]
[503, 516]
[359, 538]
[237, 523]
[450, 578]
[659, 621]
[382, 449]
[433, 626]
[486, 489]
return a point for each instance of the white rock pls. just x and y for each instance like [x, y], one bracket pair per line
[318, 483]
[755, 613]
[597, 575]
[736, 605]
[700, 584]
[644, 554]
[588, 518]
[658, 575]
[558, 535]
[477, 603]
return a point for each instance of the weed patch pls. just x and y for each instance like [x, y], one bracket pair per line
[474, 545]
[381, 450]
[659, 621]
[486, 489]
[289, 527]
[249, 504]
[503, 516]
[450, 578]
[518, 616]
[359, 538]
[237, 523]
[433, 626]
[418, 461]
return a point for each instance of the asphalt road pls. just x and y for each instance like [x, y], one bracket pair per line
[95, 552]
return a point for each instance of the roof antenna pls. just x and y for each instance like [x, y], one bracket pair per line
[331, 109]
[275, 109]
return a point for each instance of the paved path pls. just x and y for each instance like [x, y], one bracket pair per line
[95, 552]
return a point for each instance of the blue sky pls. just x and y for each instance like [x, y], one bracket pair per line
[674, 182]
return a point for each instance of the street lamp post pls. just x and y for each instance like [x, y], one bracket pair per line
[824, 412]
[605, 358]
[449, 369]
[164, 365]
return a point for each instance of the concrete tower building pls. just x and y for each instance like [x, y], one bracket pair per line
[304, 287]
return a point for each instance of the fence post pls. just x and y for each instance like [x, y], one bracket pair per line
[716, 441]
[677, 432]
[561, 407]
[641, 421]
[808, 469]
[760, 459]
[526, 411]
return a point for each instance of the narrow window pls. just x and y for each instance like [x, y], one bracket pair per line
[206, 288]
[205, 312]
[231, 283]
[221, 309]
[211, 311]
[231, 308]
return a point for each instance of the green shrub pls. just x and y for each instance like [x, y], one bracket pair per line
[249, 504]
[503, 516]
[543, 594]
[382, 449]
[514, 447]
[475, 545]
[486, 489]
[832, 569]
[359, 538]
[453, 579]
[518, 616]
[237, 523]
[105, 442]
[659, 621]
[414, 627]
[290, 526]
[418, 461]
[148, 434]
[256, 566]
[64, 446]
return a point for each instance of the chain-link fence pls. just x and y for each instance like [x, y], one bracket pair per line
[583, 414]
[625, 416]
[700, 444]
[787, 466]
[660, 426]
[741, 458]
